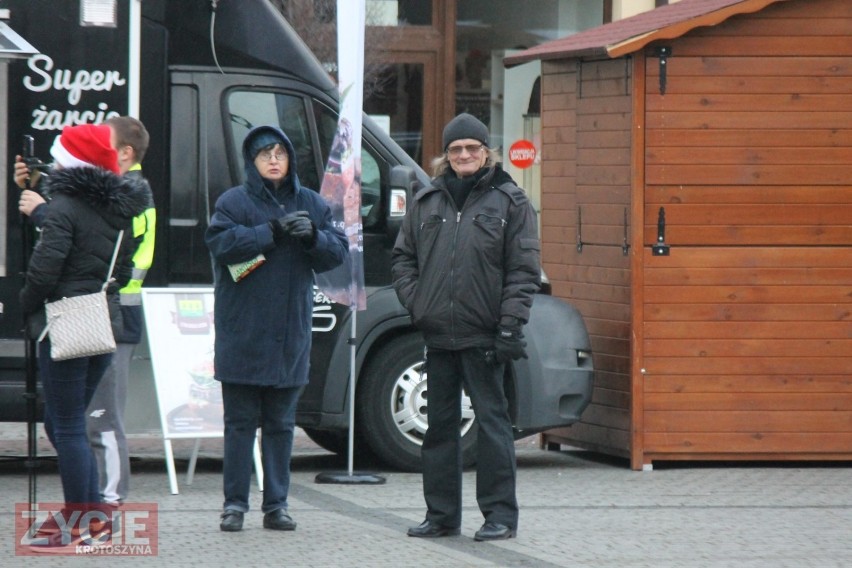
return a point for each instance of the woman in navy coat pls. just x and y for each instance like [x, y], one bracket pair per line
[267, 237]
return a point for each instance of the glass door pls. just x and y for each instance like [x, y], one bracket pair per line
[398, 104]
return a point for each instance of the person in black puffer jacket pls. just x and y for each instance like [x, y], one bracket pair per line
[466, 265]
[89, 205]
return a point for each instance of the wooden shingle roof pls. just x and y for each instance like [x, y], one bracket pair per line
[631, 34]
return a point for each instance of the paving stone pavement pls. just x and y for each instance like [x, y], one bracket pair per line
[578, 509]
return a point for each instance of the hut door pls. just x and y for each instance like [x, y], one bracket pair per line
[747, 326]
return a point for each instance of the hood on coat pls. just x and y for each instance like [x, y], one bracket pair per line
[114, 197]
[501, 176]
[254, 182]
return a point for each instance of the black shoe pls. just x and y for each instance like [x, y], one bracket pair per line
[430, 529]
[494, 531]
[232, 520]
[278, 520]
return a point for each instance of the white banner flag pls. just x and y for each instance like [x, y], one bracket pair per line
[341, 184]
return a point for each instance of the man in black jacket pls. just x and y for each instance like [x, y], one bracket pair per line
[466, 266]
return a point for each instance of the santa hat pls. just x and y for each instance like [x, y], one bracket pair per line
[85, 145]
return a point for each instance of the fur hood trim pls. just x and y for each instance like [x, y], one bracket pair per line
[123, 197]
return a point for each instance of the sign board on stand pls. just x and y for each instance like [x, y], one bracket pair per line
[179, 322]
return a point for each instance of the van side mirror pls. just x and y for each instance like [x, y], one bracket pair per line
[403, 186]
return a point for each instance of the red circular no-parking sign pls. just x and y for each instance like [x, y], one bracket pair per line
[522, 154]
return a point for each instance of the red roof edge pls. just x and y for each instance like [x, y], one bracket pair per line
[672, 20]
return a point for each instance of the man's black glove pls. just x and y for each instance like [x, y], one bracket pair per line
[297, 225]
[509, 345]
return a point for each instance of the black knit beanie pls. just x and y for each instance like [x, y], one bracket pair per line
[262, 140]
[465, 126]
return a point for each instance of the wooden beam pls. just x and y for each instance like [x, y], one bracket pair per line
[637, 143]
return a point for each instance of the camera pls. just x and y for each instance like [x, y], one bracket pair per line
[28, 154]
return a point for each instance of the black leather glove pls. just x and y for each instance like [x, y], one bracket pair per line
[297, 225]
[509, 345]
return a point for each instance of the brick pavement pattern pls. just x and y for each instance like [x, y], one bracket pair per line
[578, 509]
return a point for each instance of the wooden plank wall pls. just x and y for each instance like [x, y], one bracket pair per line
[586, 175]
[747, 339]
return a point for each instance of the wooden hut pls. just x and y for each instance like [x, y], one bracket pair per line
[697, 209]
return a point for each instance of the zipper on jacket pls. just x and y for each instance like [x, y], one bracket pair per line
[453, 277]
[453, 259]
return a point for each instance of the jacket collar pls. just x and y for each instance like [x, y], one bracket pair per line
[494, 176]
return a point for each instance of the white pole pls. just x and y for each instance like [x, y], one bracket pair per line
[134, 57]
[352, 346]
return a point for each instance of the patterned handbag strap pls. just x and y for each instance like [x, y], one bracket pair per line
[114, 257]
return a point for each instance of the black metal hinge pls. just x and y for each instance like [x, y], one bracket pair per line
[663, 52]
[661, 248]
[625, 246]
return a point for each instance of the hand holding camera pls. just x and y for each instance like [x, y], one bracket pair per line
[28, 167]
[28, 171]
[23, 176]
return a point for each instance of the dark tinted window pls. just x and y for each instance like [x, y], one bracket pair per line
[257, 108]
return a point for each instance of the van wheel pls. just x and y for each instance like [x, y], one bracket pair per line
[392, 406]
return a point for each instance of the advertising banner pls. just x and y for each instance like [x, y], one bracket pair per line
[180, 335]
[341, 184]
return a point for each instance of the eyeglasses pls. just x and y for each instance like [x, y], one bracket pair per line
[472, 149]
[267, 156]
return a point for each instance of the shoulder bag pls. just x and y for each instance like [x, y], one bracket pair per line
[80, 326]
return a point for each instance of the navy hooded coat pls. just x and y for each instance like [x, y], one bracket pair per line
[263, 322]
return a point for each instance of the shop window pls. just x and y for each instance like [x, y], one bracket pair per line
[399, 13]
[398, 97]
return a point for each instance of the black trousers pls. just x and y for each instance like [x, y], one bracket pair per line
[495, 450]
[246, 407]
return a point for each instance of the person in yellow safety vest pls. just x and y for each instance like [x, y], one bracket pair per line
[105, 415]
